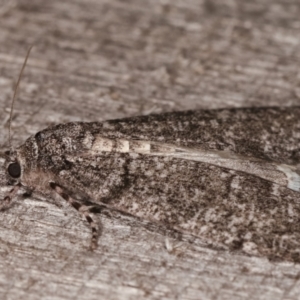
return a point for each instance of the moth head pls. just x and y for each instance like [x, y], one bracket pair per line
[13, 168]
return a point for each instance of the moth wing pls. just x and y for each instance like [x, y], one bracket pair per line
[282, 174]
[269, 133]
[224, 208]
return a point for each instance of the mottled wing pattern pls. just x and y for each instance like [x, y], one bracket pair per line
[225, 208]
[267, 133]
[152, 167]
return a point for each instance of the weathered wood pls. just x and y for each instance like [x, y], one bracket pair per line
[95, 60]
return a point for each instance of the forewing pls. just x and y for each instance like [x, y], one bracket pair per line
[223, 207]
[267, 133]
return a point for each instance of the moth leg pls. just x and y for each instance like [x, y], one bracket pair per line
[7, 199]
[82, 209]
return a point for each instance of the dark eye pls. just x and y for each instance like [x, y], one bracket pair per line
[14, 170]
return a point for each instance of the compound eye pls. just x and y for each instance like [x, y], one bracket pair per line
[14, 170]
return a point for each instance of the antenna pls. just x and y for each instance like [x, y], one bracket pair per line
[15, 95]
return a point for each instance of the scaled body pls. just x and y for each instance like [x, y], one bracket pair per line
[229, 177]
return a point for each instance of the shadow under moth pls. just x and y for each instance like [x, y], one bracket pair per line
[229, 176]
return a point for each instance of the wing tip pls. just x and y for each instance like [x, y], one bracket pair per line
[293, 178]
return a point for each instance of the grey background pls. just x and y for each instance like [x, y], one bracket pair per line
[97, 60]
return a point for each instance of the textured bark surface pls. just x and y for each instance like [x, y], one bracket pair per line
[97, 60]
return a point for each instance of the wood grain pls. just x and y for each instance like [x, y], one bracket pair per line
[103, 59]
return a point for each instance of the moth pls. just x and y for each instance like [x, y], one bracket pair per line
[229, 177]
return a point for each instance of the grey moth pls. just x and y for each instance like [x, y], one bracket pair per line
[229, 177]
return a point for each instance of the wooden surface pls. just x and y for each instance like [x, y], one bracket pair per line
[102, 59]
